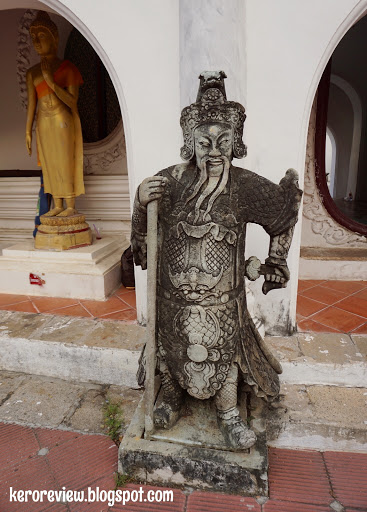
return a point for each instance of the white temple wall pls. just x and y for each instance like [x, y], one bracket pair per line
[274, 54]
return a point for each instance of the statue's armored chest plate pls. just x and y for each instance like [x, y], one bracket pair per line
[199, 258]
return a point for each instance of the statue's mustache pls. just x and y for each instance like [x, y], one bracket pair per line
[203, 166]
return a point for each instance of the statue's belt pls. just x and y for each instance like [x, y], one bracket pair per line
[220, 300]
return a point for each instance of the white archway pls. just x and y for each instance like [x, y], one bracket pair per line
[355, 15]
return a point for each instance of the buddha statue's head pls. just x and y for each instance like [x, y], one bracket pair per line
[44, 34]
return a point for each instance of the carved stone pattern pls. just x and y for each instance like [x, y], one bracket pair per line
[94, 163]
[23, 53]
[321, 222]
[176, 249]
[217, 254]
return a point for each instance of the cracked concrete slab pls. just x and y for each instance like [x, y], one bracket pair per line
[361, 343]
[65, 329]
[285, 348]
[344, 407]
[22, 324]
[328, 348]
[9, 383]
[40, 401]
[55, 403]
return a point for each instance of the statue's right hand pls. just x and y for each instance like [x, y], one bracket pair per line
[28, 142]
[151, 188]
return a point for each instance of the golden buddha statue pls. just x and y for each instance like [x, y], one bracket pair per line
[53, 88]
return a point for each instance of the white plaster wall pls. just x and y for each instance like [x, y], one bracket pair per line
[288, 44]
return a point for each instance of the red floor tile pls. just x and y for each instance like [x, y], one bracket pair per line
[50, 303]
[177, 505]
[307, 307]
[338, 319]
[362, 294]
[348, 475]
[361, 330]
[7, 298]
[355, 305]
[129, 298]
[16, 444]
[80, 462]
[308, 283]
[56, 507]
[283, 506]
[34, 474]
[99, 308]
[48, 438]
[345, 286]
[210, 502]
[123, 290]
[76, 310]
[298, 476]
[94, 505]
[126, 315]
[324, 295]
[25, 307]
[310, 325]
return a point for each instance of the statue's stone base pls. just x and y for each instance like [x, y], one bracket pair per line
[91, 272]
[193, 453]
[63, 233]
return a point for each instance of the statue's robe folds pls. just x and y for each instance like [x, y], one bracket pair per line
[203, 323]
[59, 137]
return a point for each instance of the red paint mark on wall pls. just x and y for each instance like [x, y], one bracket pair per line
[34, 279]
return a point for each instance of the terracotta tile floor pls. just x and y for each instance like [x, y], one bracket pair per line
[120, 306]
[299, 480]
[322, 306]
[332, 306]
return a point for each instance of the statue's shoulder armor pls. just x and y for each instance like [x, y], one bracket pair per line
[175, 172]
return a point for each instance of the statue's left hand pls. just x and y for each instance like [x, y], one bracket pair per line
[276, 275]
[46, 71]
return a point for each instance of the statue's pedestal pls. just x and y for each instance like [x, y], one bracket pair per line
[193, 453]
[63, 233]
[90, 272]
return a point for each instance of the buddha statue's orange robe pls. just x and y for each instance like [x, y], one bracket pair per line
[59, 137]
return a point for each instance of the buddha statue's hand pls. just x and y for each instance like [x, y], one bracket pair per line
[28, 143]
[151, 188]
[47, 73]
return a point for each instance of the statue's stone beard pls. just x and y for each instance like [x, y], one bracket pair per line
[202, 189]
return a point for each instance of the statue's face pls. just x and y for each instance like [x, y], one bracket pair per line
[43, 42]
[213, 144]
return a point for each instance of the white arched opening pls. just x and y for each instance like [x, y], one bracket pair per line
[145, 77]
[357, 130]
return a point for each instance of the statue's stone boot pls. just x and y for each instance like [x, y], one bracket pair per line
[169, 411]
[235, 432]
[165, 417]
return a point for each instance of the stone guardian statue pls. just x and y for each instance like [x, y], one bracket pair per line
[206, 340]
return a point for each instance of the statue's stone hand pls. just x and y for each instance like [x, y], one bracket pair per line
[151, 188]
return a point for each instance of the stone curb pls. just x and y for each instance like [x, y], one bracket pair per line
[107, 352]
